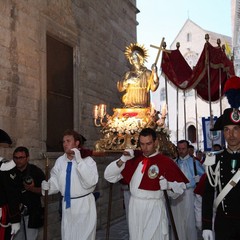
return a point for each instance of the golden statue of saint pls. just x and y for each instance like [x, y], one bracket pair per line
[139, 80]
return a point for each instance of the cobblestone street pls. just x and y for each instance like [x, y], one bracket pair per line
[118, 231]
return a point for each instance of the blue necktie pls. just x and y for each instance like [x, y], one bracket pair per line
[67, 197]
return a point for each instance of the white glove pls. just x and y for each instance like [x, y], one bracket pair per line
[163, 183]
[177, 187]
[45, 185]
[197, 178]
[77, 154]
[15, 228]
[127, 155]
[207, 235]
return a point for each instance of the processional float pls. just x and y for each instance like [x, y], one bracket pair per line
[121, 130]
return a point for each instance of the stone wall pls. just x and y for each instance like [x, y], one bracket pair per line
[98, 31]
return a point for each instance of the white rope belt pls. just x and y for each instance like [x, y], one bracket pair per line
[232, 183]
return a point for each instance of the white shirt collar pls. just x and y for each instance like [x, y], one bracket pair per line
[184, 158]
[152, 155]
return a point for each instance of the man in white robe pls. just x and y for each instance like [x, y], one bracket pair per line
[183, 207]
[147, 175]
[80, 218]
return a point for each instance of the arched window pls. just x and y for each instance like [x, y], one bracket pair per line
[191, 134]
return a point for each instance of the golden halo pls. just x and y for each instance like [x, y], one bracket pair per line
[136, 47]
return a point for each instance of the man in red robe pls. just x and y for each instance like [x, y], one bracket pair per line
[147, 174]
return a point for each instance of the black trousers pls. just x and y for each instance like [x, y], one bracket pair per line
[227, 228]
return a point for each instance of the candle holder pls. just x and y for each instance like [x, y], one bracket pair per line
[99, 113]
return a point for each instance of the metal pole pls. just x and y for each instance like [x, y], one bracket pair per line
[177, 115]
[197, 139]
[220, 90]
[220, 99]
[184, 107]
[109, 211]
[166, 94]
[170, 215]
[209, 90]
[46, 200]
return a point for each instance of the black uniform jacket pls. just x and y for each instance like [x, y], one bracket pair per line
[10, 194]
[229, 207]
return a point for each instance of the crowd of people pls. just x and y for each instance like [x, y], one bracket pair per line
[23, 184]
[206, 207]
[165, 198]
[203, 193]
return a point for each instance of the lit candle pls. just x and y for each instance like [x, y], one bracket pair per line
[164, 110]
[152, 109]
[102, 110]
[95, 111]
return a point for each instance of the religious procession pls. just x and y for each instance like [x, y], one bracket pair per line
[85, 154]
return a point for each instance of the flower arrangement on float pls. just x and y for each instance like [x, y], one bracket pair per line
[123, 125]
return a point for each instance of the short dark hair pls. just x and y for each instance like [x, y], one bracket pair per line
[191, 146]
[71, 132]
[21, 149]
[183, 141]
[218, 146]
[148, 132]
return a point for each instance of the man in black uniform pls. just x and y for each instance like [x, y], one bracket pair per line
[223, 170]
[30, 177]
[9, 195]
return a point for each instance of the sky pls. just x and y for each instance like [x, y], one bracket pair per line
[158, 19]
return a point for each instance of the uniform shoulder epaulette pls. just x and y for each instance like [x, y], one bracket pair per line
[211, 158]
[6, 165]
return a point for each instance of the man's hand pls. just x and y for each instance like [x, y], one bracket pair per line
[127, 155]
[15, 228]
[177, 187]
[207, 235]
[45, 185]
[77, 154]
[29, 187]
[154, 67]
[163, 183]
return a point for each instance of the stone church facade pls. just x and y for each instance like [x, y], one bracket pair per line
[192, 39]
[58, 59]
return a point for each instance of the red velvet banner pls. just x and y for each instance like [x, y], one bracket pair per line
[211, 72]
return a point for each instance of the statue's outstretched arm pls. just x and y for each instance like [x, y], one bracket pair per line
[153, 79]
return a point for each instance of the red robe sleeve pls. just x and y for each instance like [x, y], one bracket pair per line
[167, 168]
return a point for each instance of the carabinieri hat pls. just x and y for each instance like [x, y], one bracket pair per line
[230, 116]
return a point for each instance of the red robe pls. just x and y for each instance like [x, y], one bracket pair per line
[201, 185]
[167, 169]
